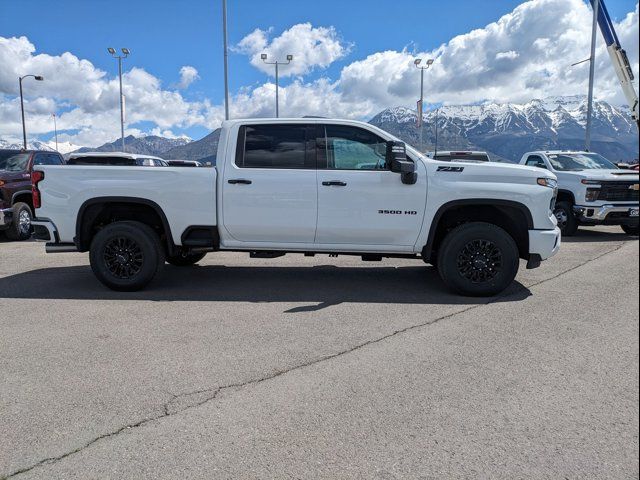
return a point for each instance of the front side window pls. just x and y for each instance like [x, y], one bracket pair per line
[353, 148]
[276, 146]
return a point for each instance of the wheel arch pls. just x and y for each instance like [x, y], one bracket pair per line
[565, 195]
[24, 196]
[98, 208]
[512, 216]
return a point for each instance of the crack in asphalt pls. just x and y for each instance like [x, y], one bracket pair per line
[212, 392]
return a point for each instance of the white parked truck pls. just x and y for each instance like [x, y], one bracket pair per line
[311, 186]
[592, 190]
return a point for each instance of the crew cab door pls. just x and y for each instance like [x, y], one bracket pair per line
[360, 201]
[269, 190]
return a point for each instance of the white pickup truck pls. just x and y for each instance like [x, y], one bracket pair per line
[592, 190]
[307, 186]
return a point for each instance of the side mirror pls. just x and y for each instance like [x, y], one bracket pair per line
[398, 162]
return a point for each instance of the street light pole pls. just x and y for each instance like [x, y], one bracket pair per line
[24, 128]
[417, 62]
[55, 129]
[226, 60]
[592, 66]
[126, 53]
[277, 64]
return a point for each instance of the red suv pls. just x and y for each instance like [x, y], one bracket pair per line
[16, 204]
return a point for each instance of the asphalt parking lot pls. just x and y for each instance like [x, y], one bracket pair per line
[320, 368]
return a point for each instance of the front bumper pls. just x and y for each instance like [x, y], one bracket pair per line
[543, 244]
[610, 214]
[6, 217]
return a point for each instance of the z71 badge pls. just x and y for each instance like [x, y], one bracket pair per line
[451, 169]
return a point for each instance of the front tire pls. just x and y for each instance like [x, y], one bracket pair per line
[631, 229]
[185, 260]
[20, 228]
[126, 256]
[567, 221]
[478, 259]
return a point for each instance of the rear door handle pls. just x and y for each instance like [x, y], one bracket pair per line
[334, 183]
[241, 181]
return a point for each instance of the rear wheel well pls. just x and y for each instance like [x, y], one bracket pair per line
[96, 215]
[511, 218]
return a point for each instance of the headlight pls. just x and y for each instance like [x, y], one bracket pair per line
[592, 194]
[548, 182]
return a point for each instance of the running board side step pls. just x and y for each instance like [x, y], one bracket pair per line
[60, 247]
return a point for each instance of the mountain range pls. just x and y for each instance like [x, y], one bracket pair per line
[507, 130]
[504, 130]
[147, 145]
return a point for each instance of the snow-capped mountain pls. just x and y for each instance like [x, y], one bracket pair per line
[62, 147]
[507, 130]
[147, 145]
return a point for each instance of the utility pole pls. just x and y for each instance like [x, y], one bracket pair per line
[226, 60]
[277, 64]
[24, 128]
[55, 129]
[417, 62]
[592, 66]
[125, 54]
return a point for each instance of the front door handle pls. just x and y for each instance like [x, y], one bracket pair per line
[334, 183]
[241, 181]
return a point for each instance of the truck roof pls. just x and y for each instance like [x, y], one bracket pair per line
[112, 154]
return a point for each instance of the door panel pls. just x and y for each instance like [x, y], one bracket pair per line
[373, 208]
[361, 202]
[270, 193]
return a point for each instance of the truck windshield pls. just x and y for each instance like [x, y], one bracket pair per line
[573, 162]
[13, 162]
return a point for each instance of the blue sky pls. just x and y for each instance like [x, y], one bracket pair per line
[165, 35]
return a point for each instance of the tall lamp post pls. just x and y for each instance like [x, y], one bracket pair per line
[125, 54]
[55, 129]
[226, 59]
[417, 63]
[24, 128]
[592, 66]
[277, 64]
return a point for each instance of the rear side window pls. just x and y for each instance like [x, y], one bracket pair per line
[14, 162]
[276, 146]
[536, 161]
[47, 159]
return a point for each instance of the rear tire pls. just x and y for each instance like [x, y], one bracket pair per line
[126, 256]
[567, 221]
[478, 259]
[631, 230]
[20, 228]
[185, 260]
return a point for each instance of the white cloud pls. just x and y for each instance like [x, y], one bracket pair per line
[311, 47]
[525, 54]
[188, 75]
